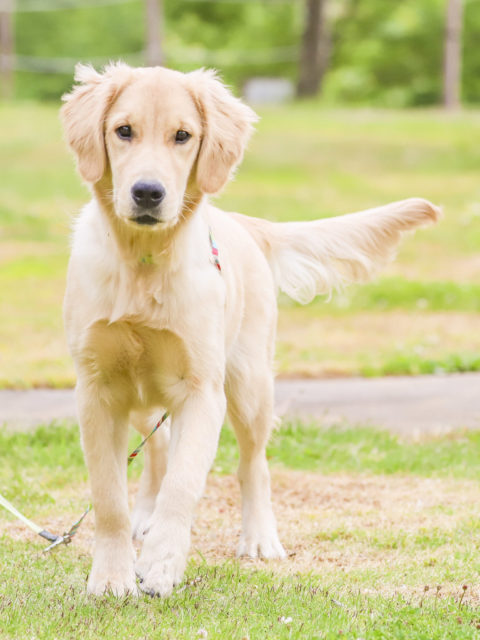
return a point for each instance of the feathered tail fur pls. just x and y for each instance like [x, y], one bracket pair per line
[312, 258]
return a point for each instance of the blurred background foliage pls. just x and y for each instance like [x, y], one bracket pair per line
[380, 52]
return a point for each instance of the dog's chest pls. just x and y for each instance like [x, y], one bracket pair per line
[150, 330]
[165, 341]
[150, 366]
[154, 297]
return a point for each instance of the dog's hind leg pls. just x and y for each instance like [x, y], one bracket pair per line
[249, 391]
[155, 466]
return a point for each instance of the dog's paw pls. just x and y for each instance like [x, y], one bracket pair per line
[141, 518]
[158, 578]
[113, 569]
[115, 583]
[260, 545]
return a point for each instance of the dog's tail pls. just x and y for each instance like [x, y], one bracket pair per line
[312, 258]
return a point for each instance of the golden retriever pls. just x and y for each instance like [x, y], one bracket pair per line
[154, 323]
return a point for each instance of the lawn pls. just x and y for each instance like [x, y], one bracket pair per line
[304, 162]
[383, 538]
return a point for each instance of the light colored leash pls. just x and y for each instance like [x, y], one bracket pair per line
[66, 538]
[51, 537]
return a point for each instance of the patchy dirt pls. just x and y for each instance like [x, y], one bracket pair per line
[312, 344]
[328, 524]
[321, 518]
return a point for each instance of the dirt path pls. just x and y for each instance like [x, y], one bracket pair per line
[328, 524]
[407, 405]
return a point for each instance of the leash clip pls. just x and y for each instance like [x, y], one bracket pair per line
[65, 539]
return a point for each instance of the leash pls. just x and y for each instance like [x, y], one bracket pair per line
[51, 537]
[66, 538]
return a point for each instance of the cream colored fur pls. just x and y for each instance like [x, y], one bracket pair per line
[152, 324]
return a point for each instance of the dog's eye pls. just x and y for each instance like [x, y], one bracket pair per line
[182, 136]
[124, 132]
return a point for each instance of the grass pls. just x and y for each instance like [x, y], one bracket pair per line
[395, 293]
[304, 162]
[370, 343]
[34, 464]
[383, 535]
[220, 602]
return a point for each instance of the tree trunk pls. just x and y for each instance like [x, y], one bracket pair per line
[452, 69]
[315, 49]
[154, 32]
[6, 48]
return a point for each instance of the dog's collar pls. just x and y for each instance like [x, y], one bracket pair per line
[148, 259]
[214, 250]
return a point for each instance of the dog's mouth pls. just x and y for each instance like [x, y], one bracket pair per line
[145, 219]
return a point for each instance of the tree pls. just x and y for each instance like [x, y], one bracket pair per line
[453, 55]
[315, 49]
[6, 48]
[153, 32]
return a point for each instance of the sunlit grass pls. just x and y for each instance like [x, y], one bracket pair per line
[43, 597]
[34, 464]
[383, 538]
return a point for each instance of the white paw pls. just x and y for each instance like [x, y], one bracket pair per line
[260, 544]
[141, 517]
[113, 569]
[116, 583]
[160, 576]
[161, 564]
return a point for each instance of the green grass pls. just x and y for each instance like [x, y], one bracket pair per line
[43, 598]
[410, 363]
[33, 464]
[343, 449]
[304, 162]
[398, 293]
[414, 590]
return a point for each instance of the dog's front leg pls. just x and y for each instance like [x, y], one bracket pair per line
[104, 439]
[194, 439]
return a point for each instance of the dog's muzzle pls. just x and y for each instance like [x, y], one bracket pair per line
[147, 196]
[145, 219]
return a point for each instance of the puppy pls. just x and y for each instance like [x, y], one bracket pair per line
[171, 304]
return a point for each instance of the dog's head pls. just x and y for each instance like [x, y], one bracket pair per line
[154, 139]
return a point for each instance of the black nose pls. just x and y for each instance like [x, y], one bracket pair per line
[148, 195]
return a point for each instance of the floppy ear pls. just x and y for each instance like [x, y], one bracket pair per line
[83, 115]
[227, 126]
